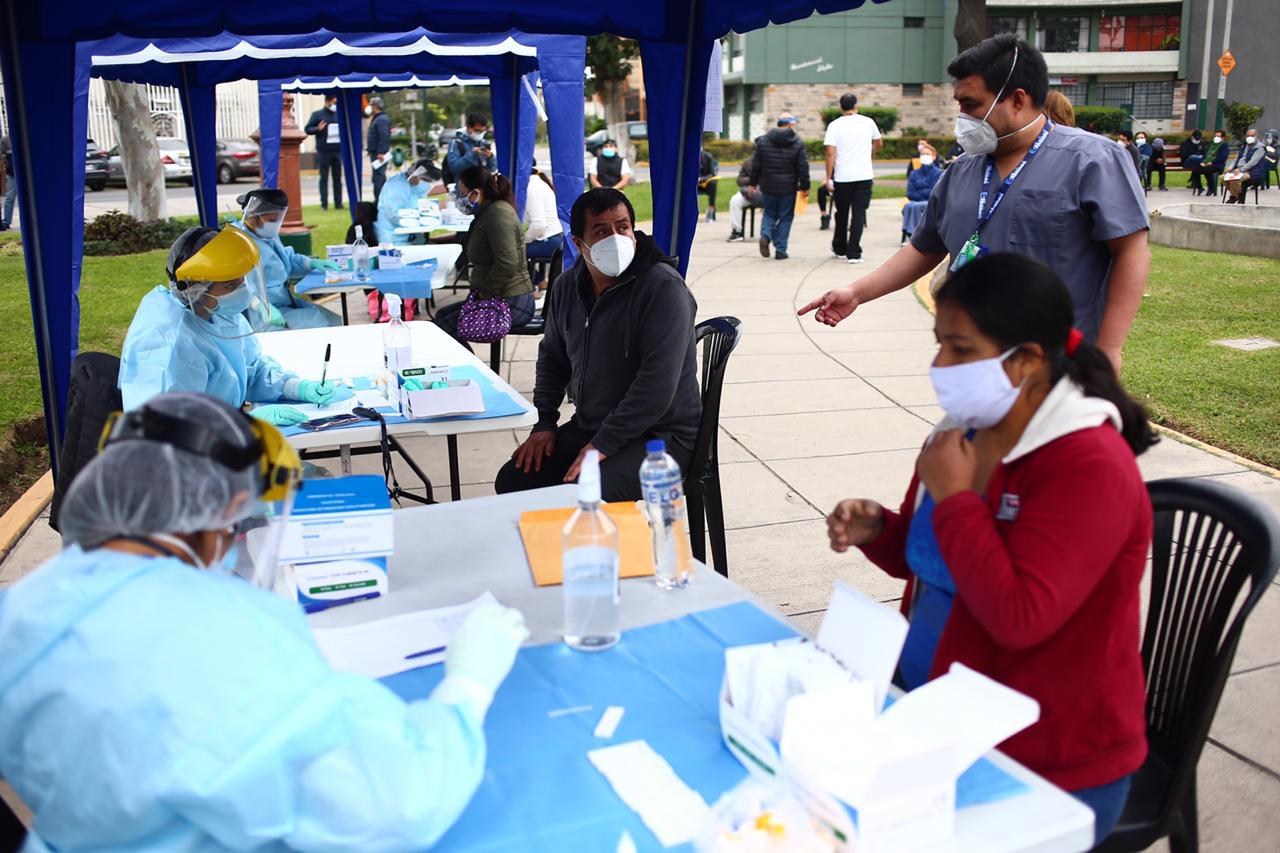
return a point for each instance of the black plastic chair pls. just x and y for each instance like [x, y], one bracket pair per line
[94, 394]
[1215, 551]
[718, 336]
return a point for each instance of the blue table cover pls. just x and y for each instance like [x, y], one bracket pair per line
[497, 404]
[541, 793]
[413, 281]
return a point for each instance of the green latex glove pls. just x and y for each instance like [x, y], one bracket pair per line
[277, 319]
[322, 393]
[412, 385]
[323, 264]
[279, 415]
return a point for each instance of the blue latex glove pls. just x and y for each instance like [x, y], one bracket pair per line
[323, 264]
[322, 393]
[279, 415]
[277, 319]
[484, 647]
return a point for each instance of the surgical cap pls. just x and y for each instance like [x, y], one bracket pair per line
[138, 488]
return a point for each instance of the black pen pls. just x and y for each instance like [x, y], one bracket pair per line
[425, 652]
[324, 371]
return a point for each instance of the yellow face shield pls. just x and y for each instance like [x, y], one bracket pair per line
[227, 257]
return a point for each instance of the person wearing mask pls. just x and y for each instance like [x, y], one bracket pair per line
[1058, 108]
[263, 214]
[495, 247]
[746, 197]
[1156, 165]
[611, 168]
[780, 170]
[1125, 141]
[1271, 157]
[8, 181]
[1248, 168]
[708, 169]
[920, 183]
[324, 126]
[402, 191]
[1144, 157]
[1062, 195]
[632, 372]
[196, 334]
[377, 144]
[153, 699]
[1024, 532]
[544, 235]
[1213, 164]
[1191, 155]
[852, 142]
[468, 148]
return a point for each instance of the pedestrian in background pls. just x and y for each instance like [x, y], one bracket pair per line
[378, 143]
[746, 197]
[611, 168]
[1156, 163]
[8, 182]
[324, 126]
[780, 169]
[1213, 164]
[852, 141]
[1191, 155]
[468, 148]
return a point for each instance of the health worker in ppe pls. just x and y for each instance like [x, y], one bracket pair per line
[403, 192]
[263, 214]
[196, 334]
[152, 700]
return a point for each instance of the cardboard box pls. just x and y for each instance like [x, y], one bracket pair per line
[462, 397]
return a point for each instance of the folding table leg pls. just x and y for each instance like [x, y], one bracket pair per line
[455, 488]
[345, 320]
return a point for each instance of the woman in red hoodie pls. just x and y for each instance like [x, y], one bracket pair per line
[1026, 545]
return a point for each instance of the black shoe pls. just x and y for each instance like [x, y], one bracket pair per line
[781, 256]
[826, 223]
[1164, 189]
[764, 247]
[735, 236]
[324, 207]
[339, 207]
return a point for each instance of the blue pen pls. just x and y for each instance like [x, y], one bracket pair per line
[316, 607]
[425, 652]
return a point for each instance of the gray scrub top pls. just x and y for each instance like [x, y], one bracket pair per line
[1079, 191]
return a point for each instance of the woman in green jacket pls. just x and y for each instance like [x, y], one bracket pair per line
[495, 247]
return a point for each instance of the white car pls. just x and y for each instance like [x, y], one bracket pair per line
[173, 154]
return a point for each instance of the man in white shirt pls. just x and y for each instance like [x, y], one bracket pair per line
[851, 141]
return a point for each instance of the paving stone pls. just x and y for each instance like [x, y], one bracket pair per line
[1260, 486]
[1172, 458]
[754, 495]
[805, 395]
[1243, 725]
[832, 434]
[768, 368]
[37, 545]
[1236, 804]
[907, 390]
[882, 476]
[779, 344]
[901, 363]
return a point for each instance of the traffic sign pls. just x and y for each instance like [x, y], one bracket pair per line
[1226, 63]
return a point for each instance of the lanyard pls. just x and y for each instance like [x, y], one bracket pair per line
[985, 213]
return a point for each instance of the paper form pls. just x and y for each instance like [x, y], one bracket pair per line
[646, 783]
[387, 646]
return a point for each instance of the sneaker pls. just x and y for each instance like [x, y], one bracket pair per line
[735, 236]
[764, 247]
[826, 222]
[855, 260]
[781, 256]
[1164, 189]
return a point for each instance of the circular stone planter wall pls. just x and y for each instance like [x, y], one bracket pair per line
[1230, 228]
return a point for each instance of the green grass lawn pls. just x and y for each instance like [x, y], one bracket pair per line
[1222, 396]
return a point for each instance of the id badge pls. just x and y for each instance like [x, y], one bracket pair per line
[970, 250]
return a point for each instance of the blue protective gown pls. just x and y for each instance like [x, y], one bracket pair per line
[147, 705]
[279, 264]
[397, 194]
[169, 348]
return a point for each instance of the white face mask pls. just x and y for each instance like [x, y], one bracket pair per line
[926, 160]
[1249, 140]
[613, 254]
[977, 394]
[975, 135]
[269, 229]
[1217, 140]
[1142, 140]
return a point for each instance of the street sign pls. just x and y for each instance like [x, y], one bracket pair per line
[1070, 81]
[1226, 62]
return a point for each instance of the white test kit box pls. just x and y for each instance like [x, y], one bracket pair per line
[457, 397]
[897, 766]
[340, 254]
[389, 258]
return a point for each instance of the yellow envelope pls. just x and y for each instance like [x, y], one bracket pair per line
[542, 531]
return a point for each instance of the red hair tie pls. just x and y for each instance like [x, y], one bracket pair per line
[1074, 337]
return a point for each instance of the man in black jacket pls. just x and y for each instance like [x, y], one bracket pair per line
[378, 144]
[323, 125]
[779, 168]
[620, 340]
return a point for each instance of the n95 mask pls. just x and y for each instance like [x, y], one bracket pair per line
[613, 254]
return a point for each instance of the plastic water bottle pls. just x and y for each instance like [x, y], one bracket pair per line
[663, 490]
[397, 341]
[592, 602]
[360, 256]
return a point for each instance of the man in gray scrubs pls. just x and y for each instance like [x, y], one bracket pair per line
[1065, 196]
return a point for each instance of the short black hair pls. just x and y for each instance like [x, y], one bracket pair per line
[597, 201]
[849, 101]
[991, 59]
[331, 96]
[1124, 134]
[612, 142]
[477, 119]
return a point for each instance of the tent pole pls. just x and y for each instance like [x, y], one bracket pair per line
[208, 218]
[516, 94]
[678, 196]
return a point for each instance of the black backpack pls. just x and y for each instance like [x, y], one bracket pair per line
[92, 397]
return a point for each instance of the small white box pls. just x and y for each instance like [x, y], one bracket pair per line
[462, 397]
[389, 258]
[339, 254]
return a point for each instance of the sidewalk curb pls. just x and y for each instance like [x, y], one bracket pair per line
[25, 510]
[925, 298]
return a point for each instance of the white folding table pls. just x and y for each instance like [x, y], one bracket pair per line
[357, 351]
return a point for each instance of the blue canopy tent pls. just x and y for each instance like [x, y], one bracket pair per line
[42, 80]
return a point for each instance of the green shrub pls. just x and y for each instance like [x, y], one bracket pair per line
[895, 148]
[886, 118]
[103, 247]
[593, 124]
[642, 150]
[729, 150]
[915, 132]
[117, 233]
[1240, 117]
[1101, 119]
[162, 234]
[829, 114]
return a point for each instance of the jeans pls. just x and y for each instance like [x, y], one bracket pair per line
[779, 210]
[852, 197]
[10, 197]
[330, 163]
[540, 250]
[379, 178]
[1107, 802]
[522, 308]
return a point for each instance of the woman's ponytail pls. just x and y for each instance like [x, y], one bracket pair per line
[500, 189]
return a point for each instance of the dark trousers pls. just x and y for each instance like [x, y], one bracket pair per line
[1192, 165]
[1152, 169]
[709, 190]
[1210, 174]
[330, 163]
[379, 178]
[823, 197]
[522, 308]
[852, 199]
[619, 473]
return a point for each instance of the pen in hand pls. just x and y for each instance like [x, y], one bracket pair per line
[324, 371]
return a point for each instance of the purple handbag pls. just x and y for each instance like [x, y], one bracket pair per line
[484, 321]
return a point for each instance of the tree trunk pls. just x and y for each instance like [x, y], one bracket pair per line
[139, 154]
[971, 23]
[614, 95]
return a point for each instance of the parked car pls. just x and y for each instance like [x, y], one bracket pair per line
[237, 158]
[173, 154]
[95, 166]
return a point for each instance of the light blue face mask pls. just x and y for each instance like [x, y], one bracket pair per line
[420, 189]
[233, 303]
[609, 152]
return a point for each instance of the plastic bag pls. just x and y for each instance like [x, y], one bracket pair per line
[762, 816]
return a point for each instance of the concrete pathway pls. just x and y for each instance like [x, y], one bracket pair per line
[812, 415]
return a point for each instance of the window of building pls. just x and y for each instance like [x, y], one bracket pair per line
[1063, 34]
[1077, 93]
[998, 24]
[912, 90]
[913, 23]
[1139, 32]
[1113, 95]
[1153, 100]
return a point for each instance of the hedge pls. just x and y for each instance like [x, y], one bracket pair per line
[736, 150]
[1101, 119]
[886, 118]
